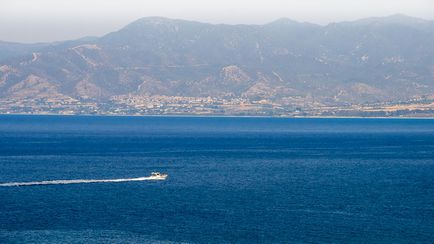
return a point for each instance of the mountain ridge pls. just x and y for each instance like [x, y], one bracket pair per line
[291, 65]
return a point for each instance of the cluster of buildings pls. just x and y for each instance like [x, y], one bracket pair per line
[194, 105]
[180, 105]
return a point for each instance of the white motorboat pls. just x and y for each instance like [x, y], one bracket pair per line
[157, 176]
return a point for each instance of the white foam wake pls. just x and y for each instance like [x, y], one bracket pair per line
[64, 182]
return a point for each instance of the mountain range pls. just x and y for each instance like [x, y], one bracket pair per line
[287, 64]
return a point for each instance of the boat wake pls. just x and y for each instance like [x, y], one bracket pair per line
[65, 182]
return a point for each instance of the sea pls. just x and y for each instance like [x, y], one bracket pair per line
[230, 180]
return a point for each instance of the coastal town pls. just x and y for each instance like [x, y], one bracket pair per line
[235, 106]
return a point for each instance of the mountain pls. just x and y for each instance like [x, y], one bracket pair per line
[285, 64]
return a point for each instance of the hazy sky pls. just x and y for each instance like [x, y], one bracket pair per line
[52, 20]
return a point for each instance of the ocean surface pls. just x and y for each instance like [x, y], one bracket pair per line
[231, 180]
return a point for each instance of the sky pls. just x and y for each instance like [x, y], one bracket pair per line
[31, 21]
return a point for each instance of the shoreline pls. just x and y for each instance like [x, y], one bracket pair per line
[218, 116]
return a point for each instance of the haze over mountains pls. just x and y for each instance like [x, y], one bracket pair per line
[287, 65]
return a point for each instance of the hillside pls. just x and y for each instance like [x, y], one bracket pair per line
[157, 65]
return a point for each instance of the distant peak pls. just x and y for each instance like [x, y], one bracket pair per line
[404, 18]
[154, 19]
[400, 16]
[157, 20]
[392, 19]
[284, 21]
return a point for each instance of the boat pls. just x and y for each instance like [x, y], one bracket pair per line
[157, 176]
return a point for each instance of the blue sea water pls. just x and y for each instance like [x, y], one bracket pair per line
[231, 180]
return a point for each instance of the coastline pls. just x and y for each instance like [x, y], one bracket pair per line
[218, 116]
